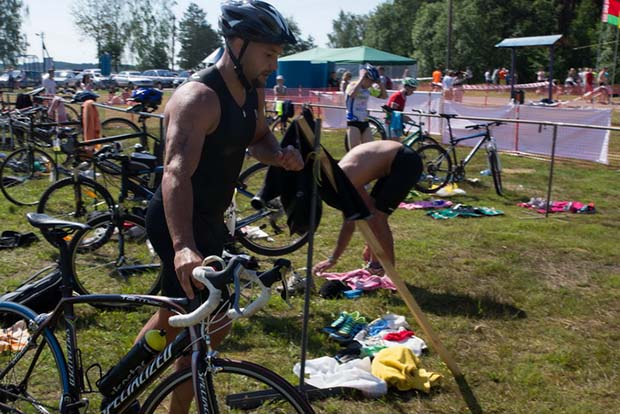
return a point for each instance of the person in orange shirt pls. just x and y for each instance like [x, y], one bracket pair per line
[502, 76]
[436, 83]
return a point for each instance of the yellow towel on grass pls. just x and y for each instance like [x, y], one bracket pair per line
[399, 367]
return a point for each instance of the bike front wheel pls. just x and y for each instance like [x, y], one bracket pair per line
[35, 383]
[233, 387]
[436, 169]
[496, 171]
[114, 256]
[25, 174]
[262, 230]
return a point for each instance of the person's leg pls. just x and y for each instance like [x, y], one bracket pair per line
[182, 396]
[354, 136]
[366, 135]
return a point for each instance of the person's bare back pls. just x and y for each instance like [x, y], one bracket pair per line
[369, 161]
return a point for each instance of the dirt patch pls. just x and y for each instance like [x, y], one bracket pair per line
[518, 170]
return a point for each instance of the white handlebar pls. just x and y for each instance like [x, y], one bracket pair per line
[202, 273]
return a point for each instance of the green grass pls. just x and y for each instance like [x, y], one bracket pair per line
[528, 307]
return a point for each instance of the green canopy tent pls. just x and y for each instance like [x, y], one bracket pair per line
[311, 68]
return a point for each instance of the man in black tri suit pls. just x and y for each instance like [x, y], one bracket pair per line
[210, 121]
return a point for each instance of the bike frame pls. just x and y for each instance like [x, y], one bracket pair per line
[486, 135]
[72, 373]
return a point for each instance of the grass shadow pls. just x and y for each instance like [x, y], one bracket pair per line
[444, 303]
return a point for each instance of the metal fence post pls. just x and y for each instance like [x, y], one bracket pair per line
[555, 137]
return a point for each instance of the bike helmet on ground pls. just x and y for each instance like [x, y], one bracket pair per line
[150, 97]
[372, 72]
[411, 82]
[252, 21]
[83, 96]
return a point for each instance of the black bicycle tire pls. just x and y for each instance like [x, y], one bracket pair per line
[5, 177]
[105, 125]
[496, 171]
[97, 264]
[52, 391]
[108, 200]
[429, 169]
[242, 368]
[257, 248]
[75, 115]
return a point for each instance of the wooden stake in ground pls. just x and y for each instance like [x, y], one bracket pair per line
[404, 292]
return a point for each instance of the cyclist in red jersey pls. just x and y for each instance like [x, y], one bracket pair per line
[398, 101]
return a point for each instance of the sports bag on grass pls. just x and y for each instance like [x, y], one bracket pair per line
[40, 292]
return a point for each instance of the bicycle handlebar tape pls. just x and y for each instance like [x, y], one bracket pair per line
[200, 273]
[152, 343]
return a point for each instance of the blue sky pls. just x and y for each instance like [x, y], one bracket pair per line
[53, 18]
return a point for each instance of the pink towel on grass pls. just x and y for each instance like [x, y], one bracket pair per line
[361, 279]
[431, 204]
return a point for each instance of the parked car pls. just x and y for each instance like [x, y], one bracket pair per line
[162, 78]
[132, 78]
[100, 81]
[181, 77]
[23, 78]
[65, 78]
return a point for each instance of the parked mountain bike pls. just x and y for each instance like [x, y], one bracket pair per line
[37, 376]
[442, 166]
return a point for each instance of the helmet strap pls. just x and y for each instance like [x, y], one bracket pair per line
[237, 64]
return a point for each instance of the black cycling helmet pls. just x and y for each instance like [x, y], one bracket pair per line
[255, 21]
[252, 21]
[83, 96]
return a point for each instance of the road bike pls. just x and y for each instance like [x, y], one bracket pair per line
[442, 166]
[38, 376]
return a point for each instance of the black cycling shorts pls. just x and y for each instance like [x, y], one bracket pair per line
[209, 241]
[361, 125]
[390, 190]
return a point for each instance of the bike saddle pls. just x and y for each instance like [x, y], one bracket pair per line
[448, 116]
[45, 222]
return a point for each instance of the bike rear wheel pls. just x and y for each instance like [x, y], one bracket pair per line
[119, 126]
[115, 256]
[35, 383]
[75, 199]
[234, 387]
[25, 174]
[264, 230]
[496, 171]
[436, 169]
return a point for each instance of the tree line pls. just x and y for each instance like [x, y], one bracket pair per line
[146, 31]
[418, 29]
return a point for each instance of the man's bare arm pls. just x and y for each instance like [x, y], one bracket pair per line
[191, 114]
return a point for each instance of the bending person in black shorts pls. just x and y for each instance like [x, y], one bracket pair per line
[210, 121]
[396, 168]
